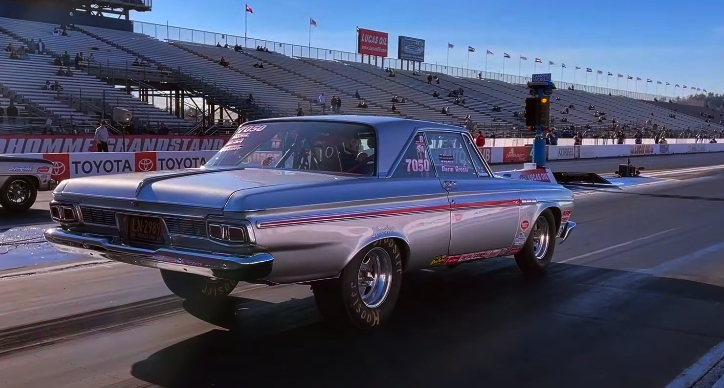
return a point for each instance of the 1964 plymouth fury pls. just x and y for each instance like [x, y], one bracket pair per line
[346, 204]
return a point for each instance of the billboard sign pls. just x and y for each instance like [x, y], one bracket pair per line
[411, 49]
[371, 42]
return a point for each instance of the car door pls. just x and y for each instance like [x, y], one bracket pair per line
[484, 212]
[427, 224]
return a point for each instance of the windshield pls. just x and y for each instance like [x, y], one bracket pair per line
[302, 145]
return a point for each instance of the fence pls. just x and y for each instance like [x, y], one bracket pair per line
[166, 33]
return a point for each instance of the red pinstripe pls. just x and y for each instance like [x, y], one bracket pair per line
[387, 213]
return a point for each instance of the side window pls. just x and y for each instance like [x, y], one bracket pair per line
[450, 156]
[415, 162]
[478, 162]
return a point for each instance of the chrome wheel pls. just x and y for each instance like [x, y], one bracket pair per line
[18, 192]
[375, 277]
[541, 238]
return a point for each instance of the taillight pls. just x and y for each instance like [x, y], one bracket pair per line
[228, 233]
[64, 213]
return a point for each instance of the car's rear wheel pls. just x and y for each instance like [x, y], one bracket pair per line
[195, 287]
[365, 294]
[537, 253]
[18, 194]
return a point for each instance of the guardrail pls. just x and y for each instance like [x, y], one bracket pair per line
[80, 164]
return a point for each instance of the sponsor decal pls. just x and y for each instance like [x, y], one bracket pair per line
[663, 148]
[457, 217]
[61, 166]
[20, 169]
[642, 149]
[456, 259]
[378, 231]
[47, 144]
[520, 154]
[101, 166]
[178, 163]
[144, 161]
[372, 42]
[410, 49]
[43, 169]
[694, 148]
[524, 225]
[487, 154]
[565, 216]
[519, 240]
[444, 168]
[566, 152]
[537, 175]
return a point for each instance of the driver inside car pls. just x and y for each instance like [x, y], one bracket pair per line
[350, 154]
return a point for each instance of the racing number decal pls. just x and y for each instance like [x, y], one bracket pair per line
[417, 165]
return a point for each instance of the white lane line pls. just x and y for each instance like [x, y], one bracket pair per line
[695, 372]
[57, 268]
[612, 247]
[710, 251]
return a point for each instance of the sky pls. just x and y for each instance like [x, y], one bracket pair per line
[668, 40]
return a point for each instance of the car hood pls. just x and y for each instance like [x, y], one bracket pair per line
[207, 188]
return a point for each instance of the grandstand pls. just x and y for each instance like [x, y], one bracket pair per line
[160, 79]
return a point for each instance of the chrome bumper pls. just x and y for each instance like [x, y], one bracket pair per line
[565, 231]
[216, 265]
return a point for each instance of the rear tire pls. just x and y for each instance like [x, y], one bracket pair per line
[18, 194]
[537, 253]
[195, 287]
[365, 294]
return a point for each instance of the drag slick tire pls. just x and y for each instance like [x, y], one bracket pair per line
[195, 287]
[18, 194]
[536, 254]
[365, 294]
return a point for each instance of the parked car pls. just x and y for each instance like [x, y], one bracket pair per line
[20, 179]
[346, 204]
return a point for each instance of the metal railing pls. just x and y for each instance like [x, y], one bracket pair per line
[169, 33]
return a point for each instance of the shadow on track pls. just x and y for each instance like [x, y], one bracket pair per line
[32, 216]
[485, 325]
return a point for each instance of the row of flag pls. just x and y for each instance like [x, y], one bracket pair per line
[471, 49]
[312, 22]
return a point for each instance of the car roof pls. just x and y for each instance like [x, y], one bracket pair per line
[378, 122]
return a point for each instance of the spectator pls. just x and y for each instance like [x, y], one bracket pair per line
[66, 59]
[223, 62]
[47, 85]
[480, 140]
[322, 100]
[300, 112]
[10, 47]
[101, 137]
[41, 46]
[12, 112]
[259, 65]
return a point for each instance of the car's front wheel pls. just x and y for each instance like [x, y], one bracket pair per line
[18, 194]
[537, 253]
[365, 294]
[195, 287]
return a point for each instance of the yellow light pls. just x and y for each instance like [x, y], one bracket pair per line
[543, 100]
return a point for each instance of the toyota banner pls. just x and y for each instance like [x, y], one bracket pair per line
[410, 49]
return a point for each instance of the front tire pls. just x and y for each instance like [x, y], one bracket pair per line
[195, 287]
[537, 253]
[18, 194]
[365, 294]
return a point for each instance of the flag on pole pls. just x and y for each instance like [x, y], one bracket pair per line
[578, 67]
[506, 55]
[248, 9]
[538, 60]
[488, 52]
[551, 63]
[471, 49]
[620, 75]
[599, 71]
[630, 77]
[589, 70]
[450, 45]
[523, 58]
[563, 65]
[312, 22]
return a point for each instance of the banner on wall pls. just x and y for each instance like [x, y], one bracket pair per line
[520, 154]
[411, 49]
[50, 144]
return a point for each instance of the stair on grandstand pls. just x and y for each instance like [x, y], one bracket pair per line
[295, 81]
[228, 87]
[407, 84]
[87, 92]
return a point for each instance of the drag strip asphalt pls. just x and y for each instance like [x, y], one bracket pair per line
[634, 299]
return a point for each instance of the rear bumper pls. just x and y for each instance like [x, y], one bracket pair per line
[565, 230]
[216, 265]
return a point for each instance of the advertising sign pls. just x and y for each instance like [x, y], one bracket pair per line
[48, 144]
[411, 49]
[371, 42]
[520, 154]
